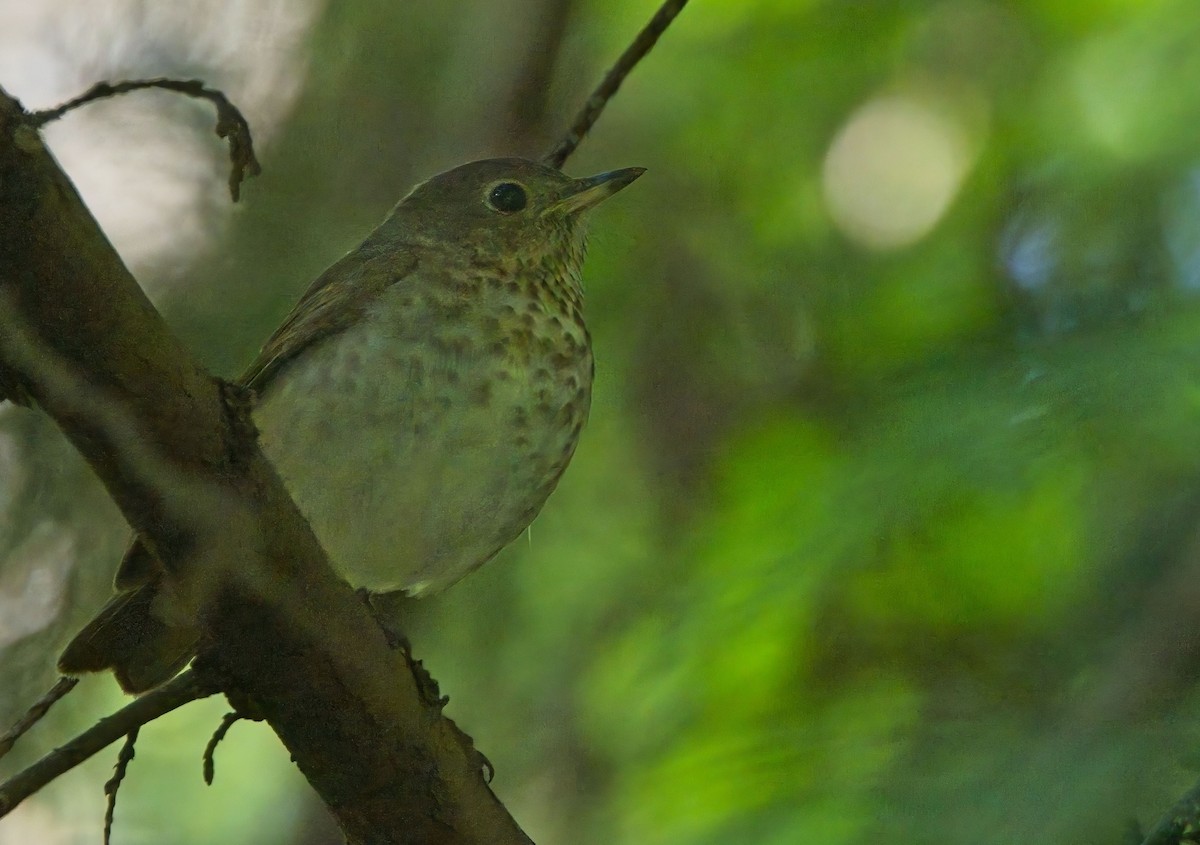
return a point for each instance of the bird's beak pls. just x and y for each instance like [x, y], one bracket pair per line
[582, 194]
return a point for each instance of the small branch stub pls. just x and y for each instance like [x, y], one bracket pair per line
[113, 786]
[210, 750]
[184, 688]
[231, 124]
[35, 713]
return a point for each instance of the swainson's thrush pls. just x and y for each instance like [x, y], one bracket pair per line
[421, 400]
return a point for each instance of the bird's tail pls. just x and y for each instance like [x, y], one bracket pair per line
[126, 636]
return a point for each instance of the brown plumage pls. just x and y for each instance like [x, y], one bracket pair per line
[421, 400]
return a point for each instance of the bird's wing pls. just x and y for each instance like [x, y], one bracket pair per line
[332, 303]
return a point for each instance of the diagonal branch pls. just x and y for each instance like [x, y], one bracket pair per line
[604, 92]
[35, 713]
[171, 696]
[82, 341]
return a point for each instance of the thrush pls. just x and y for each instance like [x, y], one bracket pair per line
[420, 402]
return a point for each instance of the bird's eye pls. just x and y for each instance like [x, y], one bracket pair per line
[507, 197]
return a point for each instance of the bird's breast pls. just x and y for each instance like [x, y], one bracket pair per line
[421, 440]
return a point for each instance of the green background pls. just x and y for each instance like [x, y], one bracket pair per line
[862, 543]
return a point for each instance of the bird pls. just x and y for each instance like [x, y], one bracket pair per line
[420, 402]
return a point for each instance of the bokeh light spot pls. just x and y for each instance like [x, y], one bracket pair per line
[893, 170]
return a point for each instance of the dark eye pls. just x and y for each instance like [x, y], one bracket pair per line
[507, 197]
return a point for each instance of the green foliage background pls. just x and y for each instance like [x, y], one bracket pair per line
[859, 545]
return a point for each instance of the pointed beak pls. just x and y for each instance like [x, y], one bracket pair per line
[583, 194]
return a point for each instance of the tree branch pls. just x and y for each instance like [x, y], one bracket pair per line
[171, 696]
[78, 336]
[230, 122]
[113, 786]
[35, 713]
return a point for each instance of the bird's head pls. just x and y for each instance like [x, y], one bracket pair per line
[507, 209]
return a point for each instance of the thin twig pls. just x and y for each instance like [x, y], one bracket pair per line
[211, 749]
[595, 104]
[113, 785]
[35, 713]
[174, 694]
[230, 122]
